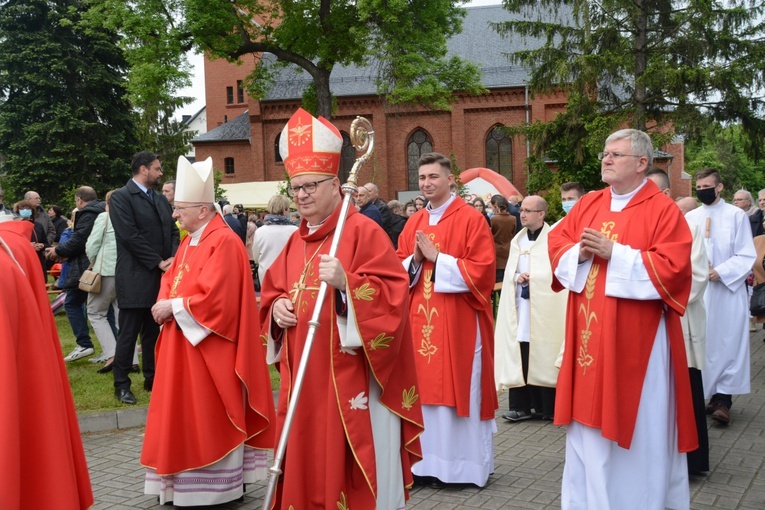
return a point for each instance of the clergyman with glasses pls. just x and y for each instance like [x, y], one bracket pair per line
[203, 452]
[355, 431]
[147, 239]
[623, 389]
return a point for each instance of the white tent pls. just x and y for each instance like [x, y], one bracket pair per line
[252, 195]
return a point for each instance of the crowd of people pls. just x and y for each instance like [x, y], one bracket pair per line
[626, 321]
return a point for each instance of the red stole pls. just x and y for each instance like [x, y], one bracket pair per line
[215, 282]
[329, 461]
[444, 325]
[609, 340]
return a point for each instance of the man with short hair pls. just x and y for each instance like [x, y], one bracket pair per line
[623, 391]
[449, 254]
[355, 429]
[203, 453]
[385, 212]
[233, 222]
[530, 321]
[367, 207]
[397, 221]
[731, 254]
[73, 250]
[168, 189]
[147, 239]
[570, 193]
[503, 229]
[41, 216]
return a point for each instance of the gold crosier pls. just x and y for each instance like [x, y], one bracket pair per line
[585, 359]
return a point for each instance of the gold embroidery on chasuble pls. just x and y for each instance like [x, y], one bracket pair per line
[342, 504]
[584, 358]
[427, 349]
[308, 281]
[409, 397]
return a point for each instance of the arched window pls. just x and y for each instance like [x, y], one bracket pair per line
[228, 165]
[419, 143]
[277, 154]
[499, 152]
[347, 158]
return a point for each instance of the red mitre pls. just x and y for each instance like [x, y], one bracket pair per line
[310, 146]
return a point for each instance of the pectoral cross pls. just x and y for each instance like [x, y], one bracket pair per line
[177, 279]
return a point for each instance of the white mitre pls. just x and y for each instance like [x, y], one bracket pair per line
[195, 182]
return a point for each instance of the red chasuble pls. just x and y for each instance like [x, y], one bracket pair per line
[609, 340]
[42, 464]
[330, 456]
[444, 325]
[197, 414]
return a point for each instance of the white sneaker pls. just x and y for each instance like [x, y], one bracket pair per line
[79, 353]
[98, 359]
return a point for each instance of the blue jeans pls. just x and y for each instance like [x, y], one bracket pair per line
[74, 305]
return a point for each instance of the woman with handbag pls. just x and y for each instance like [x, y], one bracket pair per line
[101, 249]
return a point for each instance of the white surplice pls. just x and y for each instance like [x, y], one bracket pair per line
[730, 250]
[652, 474]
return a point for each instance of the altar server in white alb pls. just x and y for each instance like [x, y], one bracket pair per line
[731, 253]
[530, 321]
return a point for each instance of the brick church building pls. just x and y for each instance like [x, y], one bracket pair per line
[243, 133]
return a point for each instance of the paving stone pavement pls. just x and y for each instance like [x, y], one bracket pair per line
[528, 462]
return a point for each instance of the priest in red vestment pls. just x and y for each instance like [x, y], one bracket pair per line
[448, 250]
[623, 387]
[355, 433]
[42, 464]
[211, 415]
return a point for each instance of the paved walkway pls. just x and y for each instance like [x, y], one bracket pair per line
[528, 462]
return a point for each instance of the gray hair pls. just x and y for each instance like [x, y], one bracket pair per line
[640, 142]
[747, 195]
[227, 209]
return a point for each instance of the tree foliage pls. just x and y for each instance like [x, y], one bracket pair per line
[64, 118]
[662, 66]
[154, 40]
[404, 39]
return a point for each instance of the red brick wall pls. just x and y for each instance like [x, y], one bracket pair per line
[220, 74]
[241, 153]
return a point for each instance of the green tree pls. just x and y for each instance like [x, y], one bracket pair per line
[662, 66]
[405, 40]
[154, 41]
[64, 119]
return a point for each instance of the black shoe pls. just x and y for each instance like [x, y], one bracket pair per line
[148, 385]
[125, 396]
[514, 416]
[106, 368]
[135, 369]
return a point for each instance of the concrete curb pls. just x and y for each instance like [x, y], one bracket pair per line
[118, 419]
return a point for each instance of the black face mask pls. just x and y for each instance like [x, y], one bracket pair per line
[707, 195]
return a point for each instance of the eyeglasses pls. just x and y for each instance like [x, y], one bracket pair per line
[740, 200]
[615, 155]
[530, 210]
[180, 208]
[309, 187]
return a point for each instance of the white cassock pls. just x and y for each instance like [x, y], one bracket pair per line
[455, 449]
[652, 474]
[730, 250]
[694, 322]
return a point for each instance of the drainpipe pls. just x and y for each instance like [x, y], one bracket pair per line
[528, 121]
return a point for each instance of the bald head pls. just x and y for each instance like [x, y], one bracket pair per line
[373, 190]
[687, 204]
[533, 212]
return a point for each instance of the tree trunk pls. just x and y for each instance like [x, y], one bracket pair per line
[641, 62]
[323, 93]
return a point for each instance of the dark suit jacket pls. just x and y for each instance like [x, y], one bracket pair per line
[74, 248]
[146, 235]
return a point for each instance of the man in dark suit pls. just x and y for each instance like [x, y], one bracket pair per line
[147, 239]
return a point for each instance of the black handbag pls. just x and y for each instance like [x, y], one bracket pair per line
[757, 303]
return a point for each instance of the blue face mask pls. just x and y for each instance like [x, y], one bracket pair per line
[25, 213]
[567, 206]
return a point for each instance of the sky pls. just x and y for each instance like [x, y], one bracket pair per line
[197, 88]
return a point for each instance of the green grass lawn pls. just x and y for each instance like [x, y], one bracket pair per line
[93, 391]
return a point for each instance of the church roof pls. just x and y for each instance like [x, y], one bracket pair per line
[237, 129]
[479, 43]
